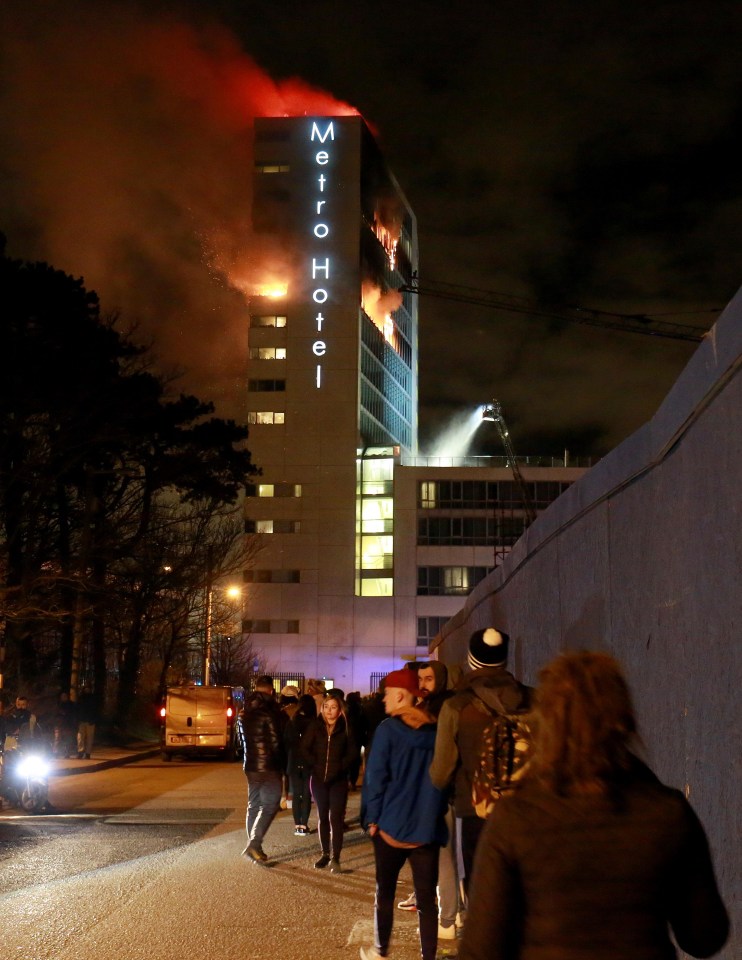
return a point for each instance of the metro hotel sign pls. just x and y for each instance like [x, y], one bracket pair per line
[320, 268]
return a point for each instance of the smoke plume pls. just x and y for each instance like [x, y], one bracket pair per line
[125, 158]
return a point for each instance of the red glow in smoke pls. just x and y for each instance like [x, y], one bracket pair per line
[212, 63]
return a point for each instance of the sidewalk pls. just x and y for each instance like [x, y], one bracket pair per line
[104, 757]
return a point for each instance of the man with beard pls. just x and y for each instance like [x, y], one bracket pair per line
[432, 678]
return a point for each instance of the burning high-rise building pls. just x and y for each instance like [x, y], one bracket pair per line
[367, 549]
[332, 373]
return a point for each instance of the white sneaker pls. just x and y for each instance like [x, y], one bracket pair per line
[446, 933]
[409, 903]
[370, 953]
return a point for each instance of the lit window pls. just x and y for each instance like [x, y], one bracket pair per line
[267, 353]
[266, 416]
[377, 515]
[279, 490]
[277, 526]
[272, 168]
[270, 320]
[428, 494]
[377, 553]
[377, 587]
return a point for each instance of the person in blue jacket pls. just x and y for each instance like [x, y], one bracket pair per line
[403, 812]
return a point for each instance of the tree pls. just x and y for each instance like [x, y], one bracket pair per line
[100, 468]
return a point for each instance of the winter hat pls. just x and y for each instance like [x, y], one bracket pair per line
[290, 691]
[406, 679]
[488, 648]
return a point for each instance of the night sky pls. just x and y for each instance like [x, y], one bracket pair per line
[567, 152]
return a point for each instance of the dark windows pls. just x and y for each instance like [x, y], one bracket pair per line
[471, 531]
[481, 494]
[449, 581]
[272, 576]
[428, 629]
[270, 626]
[266, 386]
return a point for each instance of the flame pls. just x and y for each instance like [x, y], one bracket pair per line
[388, 241]
[379, 307]
[272, 290]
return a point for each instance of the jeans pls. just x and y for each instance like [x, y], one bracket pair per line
[263, 803]
[424, 865]
[331, 799]
[301, 797]
[448, 875]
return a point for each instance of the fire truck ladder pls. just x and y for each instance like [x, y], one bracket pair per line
[493, 411]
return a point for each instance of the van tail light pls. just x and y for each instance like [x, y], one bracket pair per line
[162, 712]
[230, 712]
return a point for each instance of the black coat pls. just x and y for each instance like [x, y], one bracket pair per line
[328, 758]
[293, 736]
[260, 727]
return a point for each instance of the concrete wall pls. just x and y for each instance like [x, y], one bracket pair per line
[642, 557]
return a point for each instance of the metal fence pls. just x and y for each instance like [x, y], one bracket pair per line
[280, 680]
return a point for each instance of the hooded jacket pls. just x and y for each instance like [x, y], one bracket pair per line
[460, 724]
[398, 795]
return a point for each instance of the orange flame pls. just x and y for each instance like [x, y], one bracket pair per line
[380, 306]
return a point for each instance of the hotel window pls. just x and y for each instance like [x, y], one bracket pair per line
[266, 416]
[375, 524]
[272, 168]
[279, 489]
[269, 320]
[271, 576]
[272, 526]
[266, 386]
[428, 629]
[448, 581]
[267, 353]
[428, 494]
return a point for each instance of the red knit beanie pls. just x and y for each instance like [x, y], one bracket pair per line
[406, 679]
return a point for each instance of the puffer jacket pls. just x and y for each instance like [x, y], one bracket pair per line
[328, 758]
[260, 731]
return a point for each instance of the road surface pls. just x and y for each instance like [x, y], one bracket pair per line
[143, 861]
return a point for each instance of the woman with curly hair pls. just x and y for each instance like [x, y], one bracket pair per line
[591, 856]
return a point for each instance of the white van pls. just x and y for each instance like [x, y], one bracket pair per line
[200, 720]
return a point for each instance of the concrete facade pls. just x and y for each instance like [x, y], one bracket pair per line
[642, 557]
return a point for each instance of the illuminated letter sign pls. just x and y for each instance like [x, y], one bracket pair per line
[321, 229]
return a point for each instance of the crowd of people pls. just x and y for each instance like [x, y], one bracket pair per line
[68, 729]
[582, 853]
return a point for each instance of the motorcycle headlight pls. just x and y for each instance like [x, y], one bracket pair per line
[32, 767]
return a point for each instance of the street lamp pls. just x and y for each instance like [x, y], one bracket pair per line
[234, 593]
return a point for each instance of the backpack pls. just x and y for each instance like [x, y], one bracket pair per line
[502, 757]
